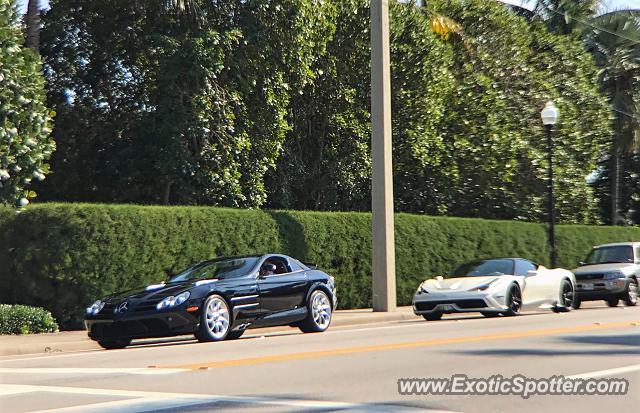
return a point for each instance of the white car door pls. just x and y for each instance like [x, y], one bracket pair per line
[541, 285]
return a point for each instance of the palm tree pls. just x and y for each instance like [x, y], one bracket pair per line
[565, 16]
[614, 40]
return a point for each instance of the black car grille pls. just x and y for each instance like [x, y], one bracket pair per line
[128, 328]
[595, 276]
[146, 306]
[108, 309]
[464, 304]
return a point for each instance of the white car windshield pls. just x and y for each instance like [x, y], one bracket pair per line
[483, 268]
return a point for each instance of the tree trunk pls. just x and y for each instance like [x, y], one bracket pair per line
[615, 184]
[166, 196]
[32, 23]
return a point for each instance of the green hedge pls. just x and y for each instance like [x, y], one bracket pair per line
[64, 256]
[20, 319]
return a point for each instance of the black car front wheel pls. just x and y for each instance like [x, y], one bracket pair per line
[319, 315]
[215, 320]
[114, 344]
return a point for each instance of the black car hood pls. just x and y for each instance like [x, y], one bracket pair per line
[158, 291]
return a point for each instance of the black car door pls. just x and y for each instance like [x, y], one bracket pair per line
[283, 290]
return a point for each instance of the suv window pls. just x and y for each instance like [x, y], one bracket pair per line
[610, 255]
[524, 266]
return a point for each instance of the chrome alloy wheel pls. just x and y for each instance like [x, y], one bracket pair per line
[217, 317]
[321, 309]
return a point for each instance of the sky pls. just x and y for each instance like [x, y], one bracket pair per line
[608, 4]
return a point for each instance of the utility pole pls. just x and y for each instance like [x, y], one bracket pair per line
[383, 240]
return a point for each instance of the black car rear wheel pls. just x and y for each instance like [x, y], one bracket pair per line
[215, 320]
[114, 344]
[319, 314]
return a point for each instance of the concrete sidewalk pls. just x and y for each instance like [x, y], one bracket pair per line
[68, 341]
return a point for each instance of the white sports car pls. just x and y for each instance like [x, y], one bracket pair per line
[494, 287]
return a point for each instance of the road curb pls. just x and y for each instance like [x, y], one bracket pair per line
[70, 341]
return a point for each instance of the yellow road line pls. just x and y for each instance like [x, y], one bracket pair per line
[397, 346]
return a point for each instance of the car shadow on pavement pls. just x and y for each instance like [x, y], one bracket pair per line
[463, 318]
[177, 341]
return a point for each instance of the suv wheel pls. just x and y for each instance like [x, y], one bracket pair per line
[612, 302]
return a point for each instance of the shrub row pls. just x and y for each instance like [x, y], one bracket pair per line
[20, 319]
[64, 256]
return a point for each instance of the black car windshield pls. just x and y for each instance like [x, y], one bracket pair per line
[482, 268]
[613, 254]
[223, 268]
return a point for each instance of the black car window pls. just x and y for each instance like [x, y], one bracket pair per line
[224, 268]
[282, 267]
[295, 266]
[524, 266]
[484, 268]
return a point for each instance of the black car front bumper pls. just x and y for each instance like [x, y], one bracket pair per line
[159, 324]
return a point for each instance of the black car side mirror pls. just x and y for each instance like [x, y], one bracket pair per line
[266, 269]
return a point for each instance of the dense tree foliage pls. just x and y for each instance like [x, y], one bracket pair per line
[466, 129]
[267, 104]
[25, 121]
[156, 106]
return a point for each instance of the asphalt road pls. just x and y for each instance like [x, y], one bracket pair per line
[349, 368]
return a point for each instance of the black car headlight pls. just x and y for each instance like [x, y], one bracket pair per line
[95, 308]
[171, 301]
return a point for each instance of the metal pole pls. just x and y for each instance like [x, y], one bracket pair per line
[551, 208]
[383, 265]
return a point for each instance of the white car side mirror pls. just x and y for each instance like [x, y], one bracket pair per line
[531, 273]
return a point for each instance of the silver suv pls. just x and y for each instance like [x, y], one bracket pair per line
[610, 273]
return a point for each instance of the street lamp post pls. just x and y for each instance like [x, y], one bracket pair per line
[549, 117]
[382, 233]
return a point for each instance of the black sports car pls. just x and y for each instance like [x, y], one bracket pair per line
[216, 300]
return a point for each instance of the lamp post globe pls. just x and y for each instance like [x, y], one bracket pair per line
[549, 114]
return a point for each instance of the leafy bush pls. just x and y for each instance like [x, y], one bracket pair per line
[25, 121]
[20, 319]
[67, 255]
